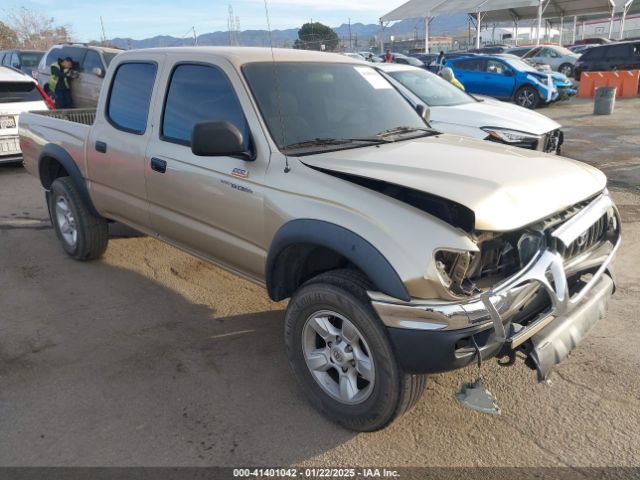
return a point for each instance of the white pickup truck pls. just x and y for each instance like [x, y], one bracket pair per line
[403, 251]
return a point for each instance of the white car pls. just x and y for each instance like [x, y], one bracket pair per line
[18, 93]
[454, 111]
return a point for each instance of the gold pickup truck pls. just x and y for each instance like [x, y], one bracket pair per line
[403, 251]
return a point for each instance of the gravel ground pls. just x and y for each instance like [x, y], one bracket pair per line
[150, 357]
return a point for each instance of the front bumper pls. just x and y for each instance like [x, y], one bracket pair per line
[566, 92]
[535, 310]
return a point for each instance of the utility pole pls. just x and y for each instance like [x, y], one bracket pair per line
[104, 36]
[350, 43]
[195, 37]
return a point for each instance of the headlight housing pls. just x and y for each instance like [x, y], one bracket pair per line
[452, 266]
[512, 137]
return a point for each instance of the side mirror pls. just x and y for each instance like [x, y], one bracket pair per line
[98, 72]
[423, 111]
[218, 139]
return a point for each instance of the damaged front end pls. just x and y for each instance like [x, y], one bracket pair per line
[537, 291]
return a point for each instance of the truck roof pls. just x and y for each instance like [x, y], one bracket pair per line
[242, 55]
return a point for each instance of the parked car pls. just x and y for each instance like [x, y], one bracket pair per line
[593, 41]
[19, 93]
[406, 60]
[519, 51]
[489, 49]
[25, 60]
[559, 58]
[512, 80]
[91, 63]
[454, 111]
[580, 49]
[355, 56]
[613, 56]
[403, 251]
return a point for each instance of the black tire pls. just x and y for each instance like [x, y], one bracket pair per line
[567, 69]
[393, 392]
[92, 232]
[527, 97]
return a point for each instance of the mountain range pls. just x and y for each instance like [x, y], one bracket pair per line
[360, 34]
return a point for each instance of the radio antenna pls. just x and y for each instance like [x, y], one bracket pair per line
[277, 85]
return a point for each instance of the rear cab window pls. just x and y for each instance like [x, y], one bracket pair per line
[130, 96]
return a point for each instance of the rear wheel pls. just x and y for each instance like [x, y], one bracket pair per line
[340, 354]
[527, 97]
[566, 69]
[83, 235]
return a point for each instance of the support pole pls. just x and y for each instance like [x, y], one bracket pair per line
[582, 30]
[427, 20]
[625, 10]
[381, 38]
[479, 20]
[611, 24]
[561, 30]
[575, 28]
[539, 22]
[516, 34]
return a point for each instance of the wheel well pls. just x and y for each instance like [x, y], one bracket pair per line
[50, 169]
[300, 262]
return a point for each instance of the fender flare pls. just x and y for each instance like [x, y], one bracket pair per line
[341, 240]
[59, 154]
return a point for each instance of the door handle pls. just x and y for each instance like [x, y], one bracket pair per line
[101, 147]
[158, 165]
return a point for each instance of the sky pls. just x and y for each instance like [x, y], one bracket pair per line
[140, 19]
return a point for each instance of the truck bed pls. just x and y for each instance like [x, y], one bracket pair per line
[85, 116]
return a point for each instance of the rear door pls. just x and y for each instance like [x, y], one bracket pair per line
[471, 73]
[211, 206]
[118, 141]
[620, 56]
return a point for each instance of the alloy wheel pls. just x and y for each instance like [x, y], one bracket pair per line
[66, 221]
[338, 357]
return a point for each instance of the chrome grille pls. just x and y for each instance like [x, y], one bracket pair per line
[593, 236]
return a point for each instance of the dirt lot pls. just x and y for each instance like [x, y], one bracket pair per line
[151, 357]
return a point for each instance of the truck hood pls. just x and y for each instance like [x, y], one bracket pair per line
[494, 113]
[506, 187]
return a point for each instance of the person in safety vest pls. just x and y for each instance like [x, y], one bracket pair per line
[60, 82]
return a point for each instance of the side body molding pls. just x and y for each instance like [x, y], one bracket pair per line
[341, 240]
[59, 154]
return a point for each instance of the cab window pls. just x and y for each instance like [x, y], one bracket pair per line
[199, 93]
[130, 96]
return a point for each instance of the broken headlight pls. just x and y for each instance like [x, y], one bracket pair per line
[452, 267]
[511, 137]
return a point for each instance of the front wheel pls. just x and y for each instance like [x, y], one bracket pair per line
[528, 97]
[83, 235]
[339, 352]
[566, 69]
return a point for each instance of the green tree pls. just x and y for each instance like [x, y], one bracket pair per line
[312, 36]
[8, 38]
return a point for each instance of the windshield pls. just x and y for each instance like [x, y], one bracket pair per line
[108, 56]
[520, 65]
[430, 88]
[318, 102]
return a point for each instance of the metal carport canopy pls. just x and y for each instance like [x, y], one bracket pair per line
[561, 9]
[432, 8]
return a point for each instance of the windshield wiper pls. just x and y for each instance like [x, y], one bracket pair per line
[318, 142]
[402, 130]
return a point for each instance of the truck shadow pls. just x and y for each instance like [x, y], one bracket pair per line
[101, 365]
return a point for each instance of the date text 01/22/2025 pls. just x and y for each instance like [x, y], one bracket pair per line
[315, 473]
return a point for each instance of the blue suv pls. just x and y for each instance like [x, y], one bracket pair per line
[510, 79]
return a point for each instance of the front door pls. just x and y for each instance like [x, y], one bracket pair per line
[499, 79]
[210, 206]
